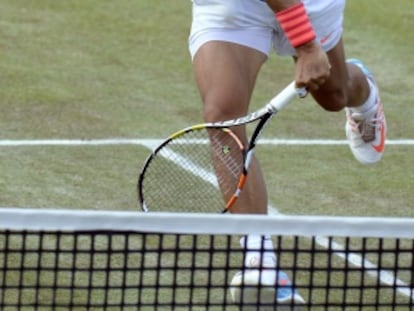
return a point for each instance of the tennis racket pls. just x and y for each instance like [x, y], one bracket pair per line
[204, 167]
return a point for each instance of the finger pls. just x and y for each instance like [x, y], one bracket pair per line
[320, 81]
[312, 86]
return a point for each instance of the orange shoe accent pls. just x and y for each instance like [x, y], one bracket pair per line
[381, 145]
[283, 282]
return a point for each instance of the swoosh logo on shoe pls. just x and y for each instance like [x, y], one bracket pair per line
[380, 146]
[283, 282]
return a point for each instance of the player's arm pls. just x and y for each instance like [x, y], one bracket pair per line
[312, 64]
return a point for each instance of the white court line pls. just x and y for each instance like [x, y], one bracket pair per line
[199, 171]
[154, 142]
[356, 260]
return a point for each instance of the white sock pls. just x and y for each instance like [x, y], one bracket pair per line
[259, 251]
[371, 101]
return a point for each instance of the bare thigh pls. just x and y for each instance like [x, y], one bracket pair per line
[225, 74]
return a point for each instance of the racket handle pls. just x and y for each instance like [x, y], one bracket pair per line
[302, 92]
[286, 95]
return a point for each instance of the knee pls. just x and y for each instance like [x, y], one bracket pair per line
[214, 113]
[218, 107]
[331, 101]
[219, 111]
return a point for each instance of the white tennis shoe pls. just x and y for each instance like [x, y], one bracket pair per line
[366, 133]
[265, 290]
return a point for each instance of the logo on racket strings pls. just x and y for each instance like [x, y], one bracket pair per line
[225, 149]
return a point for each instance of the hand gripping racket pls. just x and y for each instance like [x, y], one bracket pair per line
[203, 168]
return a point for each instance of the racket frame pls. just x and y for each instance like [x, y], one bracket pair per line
[265, 113]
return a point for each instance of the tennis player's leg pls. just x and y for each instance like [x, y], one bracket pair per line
[226, 61]
[227, 53]
[352, 86]
[225, 74]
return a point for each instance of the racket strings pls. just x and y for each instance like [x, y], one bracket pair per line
[227, 160]
[195, 172]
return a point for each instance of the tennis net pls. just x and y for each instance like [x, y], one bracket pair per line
[102, 260]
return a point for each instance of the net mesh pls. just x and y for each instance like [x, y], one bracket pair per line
[176, 262]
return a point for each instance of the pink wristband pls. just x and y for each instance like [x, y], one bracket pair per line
[296, 25]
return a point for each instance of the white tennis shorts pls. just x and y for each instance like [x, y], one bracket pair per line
[252, 23]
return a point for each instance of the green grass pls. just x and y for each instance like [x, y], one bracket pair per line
[86, 69]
